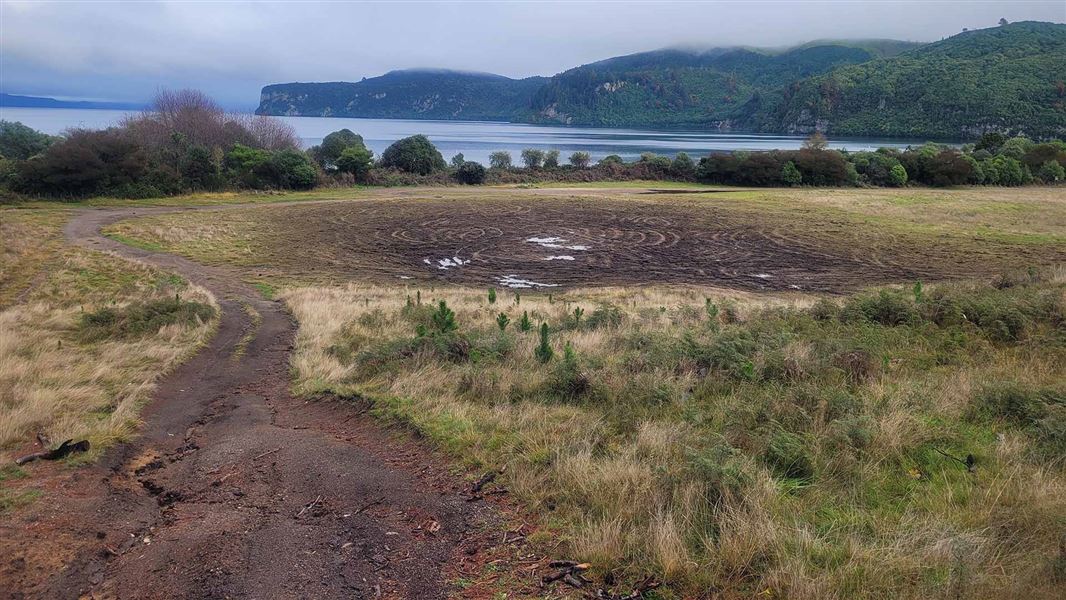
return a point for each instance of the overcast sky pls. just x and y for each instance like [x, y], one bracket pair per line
[125, 50]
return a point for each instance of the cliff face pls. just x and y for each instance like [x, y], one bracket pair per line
[1007, 78]
[405, 95]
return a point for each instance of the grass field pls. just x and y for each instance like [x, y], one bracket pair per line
[743, 393]
[83, 335]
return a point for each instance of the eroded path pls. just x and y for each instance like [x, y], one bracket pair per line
[238, 490]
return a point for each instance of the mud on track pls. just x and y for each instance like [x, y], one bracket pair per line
[565, 242]
[238, 490]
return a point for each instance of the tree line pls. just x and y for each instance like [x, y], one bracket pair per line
[187, 143]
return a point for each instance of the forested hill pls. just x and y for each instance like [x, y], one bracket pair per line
[1009, 78]
[412, 94]
[677, 87]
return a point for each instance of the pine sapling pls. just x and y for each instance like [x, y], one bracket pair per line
[543, 351]
[502, 320]
[492, 295]
[525, 324]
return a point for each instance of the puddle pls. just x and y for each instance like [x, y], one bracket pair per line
[560, 257]
[404, 276]
[446, 263]
[513, 281]
[555, 243]
[763, 276]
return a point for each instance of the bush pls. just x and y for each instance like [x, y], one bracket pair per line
[1051, 172]
[19, 142]
[1020, 405]
[333, 146]
[501, 159]
[551, 159]
[568, 382]
[790, 175]
[287, 169]
[886, 308]
[356, 161]
[142, 318]
[470, 173]
[532, 158]
[580, 160]
[683, 167]
[787, 454]
[415, 154]
[86, 163]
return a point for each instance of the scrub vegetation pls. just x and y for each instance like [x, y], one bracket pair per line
[900, 442]
[84, 335]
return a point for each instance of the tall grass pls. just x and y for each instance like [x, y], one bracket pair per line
[769, 447]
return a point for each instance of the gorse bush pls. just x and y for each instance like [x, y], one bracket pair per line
[142, 318]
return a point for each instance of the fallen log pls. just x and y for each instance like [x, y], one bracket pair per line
[65, 449]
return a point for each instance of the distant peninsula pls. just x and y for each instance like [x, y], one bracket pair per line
[17, 101]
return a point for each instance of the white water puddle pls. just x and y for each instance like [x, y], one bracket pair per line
[446, 263]
[404, 276]
[555, 243]
[513, 281]
[560, 257]
[763, 276]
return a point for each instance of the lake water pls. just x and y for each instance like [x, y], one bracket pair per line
[477, 139]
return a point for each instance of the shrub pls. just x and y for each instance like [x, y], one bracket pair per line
[543, 351]
[287, 169]
[568, 382]
[1015, 403]
[551, 159]
[355, 161]
[605, 315]
[142, 318]
[19, 142]
[787, 454]
[444, 318]
[886, 308]
[502, 320]
[683, 167]
[415, 154]
[86, 163]
[532, 158]
[822, 167]
[458, 160]
[492, 295]
[525, 324]
[720, 468]
[612, 159]
[580, 160]
[1051, 172]
[501, 159]
[334, 145]
[791, 175]
[201, 169]
[470, 173]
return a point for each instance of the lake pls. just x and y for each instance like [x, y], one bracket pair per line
[476, 139]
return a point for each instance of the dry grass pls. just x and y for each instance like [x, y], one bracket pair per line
[51, 380]
[662, 466]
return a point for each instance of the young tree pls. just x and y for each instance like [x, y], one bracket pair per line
[19, 142]
[683, 167]
[551, 159]
[501, 159]
[458, 160]
[580, 160]
[791, 175]
[817, 141]
[532, 158]
[333, 145]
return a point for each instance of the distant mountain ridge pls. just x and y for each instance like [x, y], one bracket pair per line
[18, 101]
[1006, 78]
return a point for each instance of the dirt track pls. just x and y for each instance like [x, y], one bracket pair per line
[236, 489]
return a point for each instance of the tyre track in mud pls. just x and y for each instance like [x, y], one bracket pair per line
[235, 489]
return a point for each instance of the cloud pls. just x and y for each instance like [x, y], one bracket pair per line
[126, 50]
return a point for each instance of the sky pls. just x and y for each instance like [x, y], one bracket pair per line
[124, 51]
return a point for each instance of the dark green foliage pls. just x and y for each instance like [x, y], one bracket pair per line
[19, 142]
[355, 161]
[333, 145]
[551, 159]
[1020, 405]
[85, 163]
[415, 154]
[525, 324]
[201, 170]
[533, 158]
[142, 318]
[1000, 78]
[500, 159]
[470, 173]
[502, 320]
[790, 175]
[720, 468]
[444, 318]
[543, 352]
[787, 454]
[492, 295]
[605, 315]
[683, 167]
[879, 169]
[886, 308]
[458, 160]
[568, 382]
[580, 160]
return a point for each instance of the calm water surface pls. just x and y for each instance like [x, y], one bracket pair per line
[477, 139]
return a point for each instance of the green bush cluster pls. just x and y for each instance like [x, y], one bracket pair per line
[142, 318]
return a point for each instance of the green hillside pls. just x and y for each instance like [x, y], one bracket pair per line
[674, 87]
[1007, 78]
